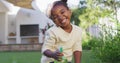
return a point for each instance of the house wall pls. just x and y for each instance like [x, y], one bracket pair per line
[11, 24]
[3, 27]
[29, 16]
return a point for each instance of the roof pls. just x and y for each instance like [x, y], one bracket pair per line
[21, 3]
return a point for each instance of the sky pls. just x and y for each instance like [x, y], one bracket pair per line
[43, 4]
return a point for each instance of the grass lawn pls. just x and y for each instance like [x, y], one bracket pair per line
[34, 57]
[88, 57]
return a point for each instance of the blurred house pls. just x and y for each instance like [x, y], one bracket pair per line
[20, 25]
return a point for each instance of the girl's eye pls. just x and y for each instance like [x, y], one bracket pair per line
[62, 12]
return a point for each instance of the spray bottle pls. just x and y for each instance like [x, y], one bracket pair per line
[62, 59]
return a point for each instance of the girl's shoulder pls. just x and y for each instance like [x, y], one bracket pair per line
[53, 28]
[76, 28]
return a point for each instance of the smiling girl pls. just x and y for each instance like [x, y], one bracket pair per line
[64, 34]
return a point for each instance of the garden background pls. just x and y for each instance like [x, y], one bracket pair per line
[100, 48]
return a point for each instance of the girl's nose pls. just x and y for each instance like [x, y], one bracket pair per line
[60, 17]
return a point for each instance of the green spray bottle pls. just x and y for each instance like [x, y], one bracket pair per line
[64, 60]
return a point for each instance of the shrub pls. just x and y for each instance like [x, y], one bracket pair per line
[85, 41]
[107, 47]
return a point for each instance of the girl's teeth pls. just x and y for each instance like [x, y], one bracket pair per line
[64, 21]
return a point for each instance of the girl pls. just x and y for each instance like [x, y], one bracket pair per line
[64, 34]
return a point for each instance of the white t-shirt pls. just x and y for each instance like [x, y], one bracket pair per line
[56, 37]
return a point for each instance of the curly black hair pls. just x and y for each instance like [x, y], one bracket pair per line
[64, 0]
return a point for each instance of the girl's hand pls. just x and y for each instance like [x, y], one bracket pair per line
[57, 55]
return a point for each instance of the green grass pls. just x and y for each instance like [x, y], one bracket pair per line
[20, 57]
[34, 57]
[88, 57]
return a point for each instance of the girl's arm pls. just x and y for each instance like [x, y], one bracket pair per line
[54, 55]
[77, 56]
[48, 53]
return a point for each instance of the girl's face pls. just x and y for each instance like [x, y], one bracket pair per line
[61, 16]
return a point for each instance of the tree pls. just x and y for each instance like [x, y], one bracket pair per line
[90, 14]
[113, 5]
